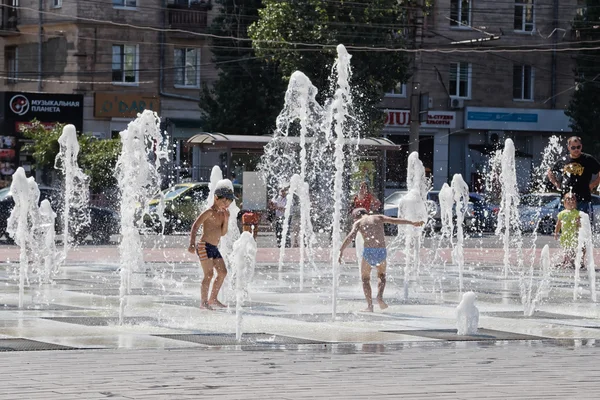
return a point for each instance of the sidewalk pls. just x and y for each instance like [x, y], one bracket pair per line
[509, 370]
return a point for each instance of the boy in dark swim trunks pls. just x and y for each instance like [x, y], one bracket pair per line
[375, 253]
[214, 223]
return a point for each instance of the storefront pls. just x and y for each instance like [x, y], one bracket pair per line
[18, 111]
[488, 128]
[433, 146]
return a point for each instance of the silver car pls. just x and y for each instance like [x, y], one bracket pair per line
[541, 210]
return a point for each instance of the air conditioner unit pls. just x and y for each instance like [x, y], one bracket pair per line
[493, 137]
[457, 103]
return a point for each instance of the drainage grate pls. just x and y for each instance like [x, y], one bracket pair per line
[29, 345]
[103, 321]
[252, 339]
[248, 307]
[346, 317]
[39, 307]
[536, 315]
[482, 335]
[115, 292]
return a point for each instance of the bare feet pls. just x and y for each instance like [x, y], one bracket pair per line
[216, 303]
[205, 306]
[368, 309]
[382, 304]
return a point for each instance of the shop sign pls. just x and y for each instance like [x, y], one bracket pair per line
[21, 107]
[435, 119]
[124, 105]
[517, 119]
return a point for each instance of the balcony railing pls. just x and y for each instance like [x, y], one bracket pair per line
[191, 17]
[9, 20]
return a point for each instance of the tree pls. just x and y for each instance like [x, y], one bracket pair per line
[247, 97]
[303, 35]
[96, 157]
[584, 107]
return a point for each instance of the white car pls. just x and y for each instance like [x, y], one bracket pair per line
[390, 208]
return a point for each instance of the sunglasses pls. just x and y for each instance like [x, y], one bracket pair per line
[576, 147]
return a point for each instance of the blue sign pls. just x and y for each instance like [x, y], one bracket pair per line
[502, 117]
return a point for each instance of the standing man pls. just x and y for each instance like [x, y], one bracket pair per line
[576, 169]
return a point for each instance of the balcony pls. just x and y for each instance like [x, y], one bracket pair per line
[189, 16]
[10, 18]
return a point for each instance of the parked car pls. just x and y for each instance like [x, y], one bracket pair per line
[103, 222]
[485, 213]
[390, 208]
[544, 207]
[480, 216]
[183, 203]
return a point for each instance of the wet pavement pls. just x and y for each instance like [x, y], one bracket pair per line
[67, 342]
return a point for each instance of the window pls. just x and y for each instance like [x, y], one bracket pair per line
[187, 71]
[11, 63]
[524, 16]
[460, 80]
[398, 91]
[522, 82]
[124, 64]
[124, 3]
[56, 3]
[460, 13]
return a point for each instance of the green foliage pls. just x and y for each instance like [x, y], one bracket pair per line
[584, 108]
[44, 146]
[248, 95]
[96, 157]
[364, 23]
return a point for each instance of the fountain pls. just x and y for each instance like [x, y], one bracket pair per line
[328, 130]
[76, 214]
[23, 222]
[460, 190]
[138, 174]
[243, 263]
[508, 215]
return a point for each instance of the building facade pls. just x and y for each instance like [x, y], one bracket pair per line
[490, 71]
[117, 57]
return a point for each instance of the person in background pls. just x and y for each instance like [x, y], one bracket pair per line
[567, 227]
[577, 170]
[279, 204]
[365, 199]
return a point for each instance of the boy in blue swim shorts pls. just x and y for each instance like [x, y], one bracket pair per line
[375, 253]
[214, 222]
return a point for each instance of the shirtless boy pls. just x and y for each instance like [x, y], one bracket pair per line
[214, 223]
[375, 253]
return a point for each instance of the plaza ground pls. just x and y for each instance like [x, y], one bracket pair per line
[67, 343]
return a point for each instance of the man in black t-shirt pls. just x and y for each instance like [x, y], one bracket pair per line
[576, 169]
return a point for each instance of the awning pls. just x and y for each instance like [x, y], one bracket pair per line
[219, 140]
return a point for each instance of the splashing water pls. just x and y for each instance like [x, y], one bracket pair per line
[144, 151]
[22, 223]
[321, 155]
[532, 300]
[76, 214]
[585, 248]
[412, 207]
[243, 264]
[508, 215]
[460, 191]
[47, 250]
[298, 198]
[467, 315]
[531, 297]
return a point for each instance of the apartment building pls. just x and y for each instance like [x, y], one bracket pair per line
[476, 96]
[97, 63]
